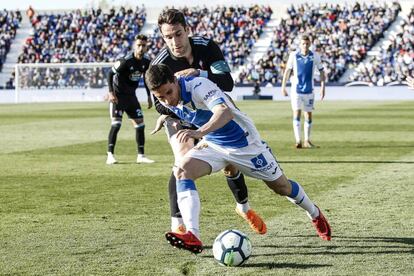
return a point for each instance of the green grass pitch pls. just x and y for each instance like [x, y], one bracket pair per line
[64, 212]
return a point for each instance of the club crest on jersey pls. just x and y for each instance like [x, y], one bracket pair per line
[259, 161]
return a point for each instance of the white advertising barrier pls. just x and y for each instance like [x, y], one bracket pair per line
[95, 95]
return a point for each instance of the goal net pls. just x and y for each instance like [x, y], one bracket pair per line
[43, 82]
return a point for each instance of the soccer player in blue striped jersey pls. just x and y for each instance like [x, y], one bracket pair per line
[303, 63]
[196, 56]
[228, 137]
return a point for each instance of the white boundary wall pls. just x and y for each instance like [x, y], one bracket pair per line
[395, 93]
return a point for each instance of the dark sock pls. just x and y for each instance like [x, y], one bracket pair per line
[238, 187]
[113, 133]
[140, 138]
[172, 188]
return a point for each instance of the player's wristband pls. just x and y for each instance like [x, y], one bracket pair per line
[203, 73]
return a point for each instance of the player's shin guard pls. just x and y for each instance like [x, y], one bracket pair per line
[189, 203]
[307, 126]
[238, 187]
[140, 137]
[300, 198]
[296, 129]
[172, 190]
[113, 133]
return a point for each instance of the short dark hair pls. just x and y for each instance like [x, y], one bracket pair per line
[171, 16]
[157, 75]
[141, 37]
[305, 37]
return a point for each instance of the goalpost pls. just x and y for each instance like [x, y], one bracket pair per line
[52, 82]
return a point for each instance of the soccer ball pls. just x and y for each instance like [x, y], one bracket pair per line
[232, 248]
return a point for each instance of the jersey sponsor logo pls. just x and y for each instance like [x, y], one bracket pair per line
[197, 85]
[135, 76]
[210, 94]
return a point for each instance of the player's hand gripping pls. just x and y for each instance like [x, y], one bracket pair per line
[184, 134]
[284, 91]
[112, 98]
[190, 72]
[159, 124]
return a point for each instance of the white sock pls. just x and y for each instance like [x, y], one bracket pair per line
[175, 222]
[307, 130]
[243, 207]
[296, 130]
[189, 204]
[300, 198]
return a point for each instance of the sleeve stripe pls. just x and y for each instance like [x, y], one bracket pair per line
[161, 56]
[201, 40]
[216, 102]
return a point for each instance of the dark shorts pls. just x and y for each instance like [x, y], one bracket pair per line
[128, 105]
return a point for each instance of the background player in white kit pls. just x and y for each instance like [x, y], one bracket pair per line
[229, 137]
[303, 63]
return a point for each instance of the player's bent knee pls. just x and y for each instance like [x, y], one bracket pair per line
[230, 171]
[281, 186]
[180, 149]
[116, 123]
[138, 123]
[183, 173]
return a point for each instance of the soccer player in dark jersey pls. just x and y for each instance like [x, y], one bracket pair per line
[190, 57]
[123, 80]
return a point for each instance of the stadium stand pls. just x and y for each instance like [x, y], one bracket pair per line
[341, 34]
[394, 62]
[76, 37]
[9, 23]
[82, 36]
[94, 36]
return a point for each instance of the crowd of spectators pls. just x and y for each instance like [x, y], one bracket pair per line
[235, 29]
[82, 36]
[9, 23]
[79, 36]
[394, 62]
[342, 35]
[95, 36]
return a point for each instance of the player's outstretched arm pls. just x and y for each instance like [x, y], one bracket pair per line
[221, 116]
[111, 94]
[159, 124]
[189, 72]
